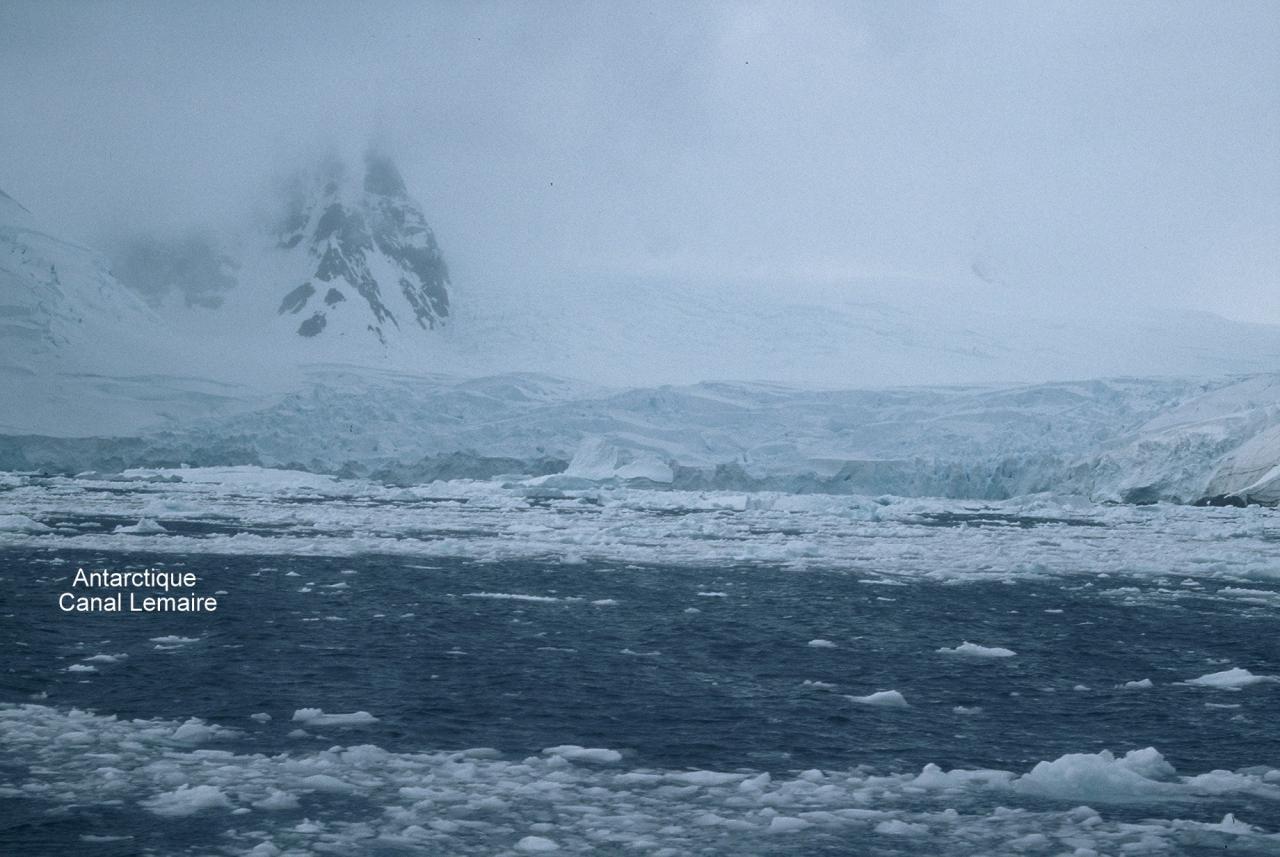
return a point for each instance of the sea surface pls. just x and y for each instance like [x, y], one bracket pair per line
[516, 706]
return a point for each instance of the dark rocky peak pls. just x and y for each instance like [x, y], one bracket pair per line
[349, 232]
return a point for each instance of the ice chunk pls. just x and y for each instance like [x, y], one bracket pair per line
[195, 731]
[105, 659]
[1136, 776]
[974, 650]
[22, 524]
[821, 644]
[144, 527]
[574, 753]
[327, 783]
[596, 459]
[187, 800]
[1143, 684]
[786, 824]
[1232, 679]
[537, 844]
[511, 596]
[317, 717]
[887, 698]
[934, 778]
[277, 799]
[820, 685]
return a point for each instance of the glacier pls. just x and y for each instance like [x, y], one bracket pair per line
[95, 379]
[1118, 440]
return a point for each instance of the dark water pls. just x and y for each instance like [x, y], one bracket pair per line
[721, 688]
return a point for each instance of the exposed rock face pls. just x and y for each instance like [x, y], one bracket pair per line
[372, 252]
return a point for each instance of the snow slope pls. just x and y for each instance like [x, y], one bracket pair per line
[949, 328]
[60, 308]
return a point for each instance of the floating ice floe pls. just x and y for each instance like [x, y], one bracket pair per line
[22, 524]
[973, 650]
[887, 698]
[574, 753]
[1232, 679]
[105, 659]
[480, 802]
[188, 800]
[343, 518]
[821, 644]
[144, 527]
[317, 717]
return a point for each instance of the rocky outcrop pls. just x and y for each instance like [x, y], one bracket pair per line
[371, 252]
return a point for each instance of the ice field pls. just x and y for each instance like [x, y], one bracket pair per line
[489, 667]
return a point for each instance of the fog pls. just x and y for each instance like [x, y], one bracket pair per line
[1082, 151]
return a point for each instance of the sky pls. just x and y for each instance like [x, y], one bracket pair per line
[1077, 151]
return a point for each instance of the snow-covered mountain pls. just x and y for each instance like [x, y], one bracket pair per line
[62, 310]
[344, 267]
[369, 257]
[329, 341]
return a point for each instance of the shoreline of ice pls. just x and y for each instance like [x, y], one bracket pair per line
[258, 511]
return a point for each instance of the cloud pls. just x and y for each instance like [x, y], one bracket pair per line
[1080, 149]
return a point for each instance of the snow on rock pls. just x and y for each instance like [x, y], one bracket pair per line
[973, 650]
[317, 717]
[1232, 679]
[886, 698]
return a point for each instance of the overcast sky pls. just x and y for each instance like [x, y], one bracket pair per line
[1075, 149]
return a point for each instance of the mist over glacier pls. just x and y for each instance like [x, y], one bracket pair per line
[570, 205]
[723, 428]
